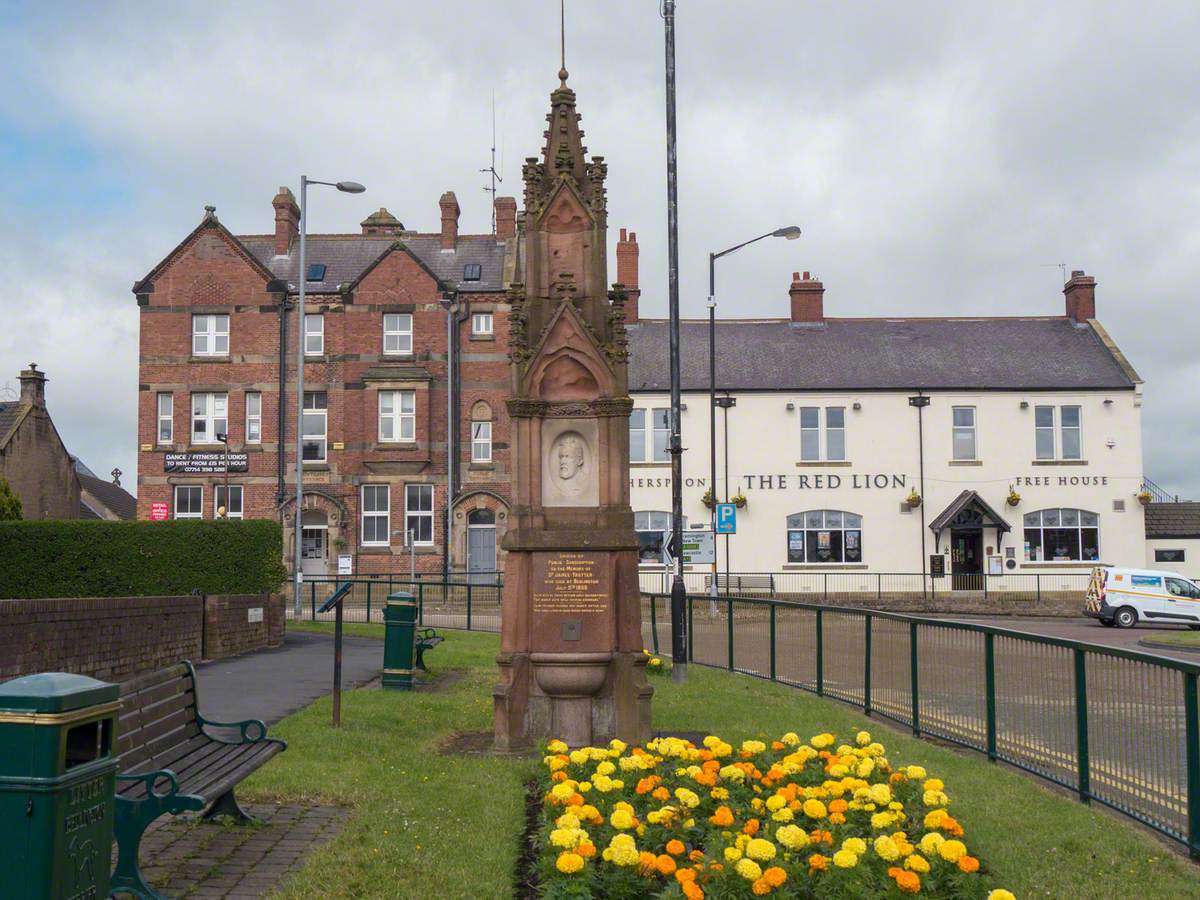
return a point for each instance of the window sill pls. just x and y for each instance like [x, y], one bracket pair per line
[375, 550]
[316, 357]
[394, 445]
[965, 462]
[1061, 564]
[404, 357]
[648, 465]
[483, 337]
[481, 467]
[222, 358]
[827, 567]
[316, 467]
[1059, 462]
[824, 464]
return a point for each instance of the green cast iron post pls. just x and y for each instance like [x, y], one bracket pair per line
[1191, 703]
[820, 657]
[654, 622]
[867, 665]
[312, 591]
[421, 602]
[729, 618]
[368, 601]
[57, 785]
[468, 606]
[914, 666]
[989, 668]
[691, 635]
[772, 641]
[1081, 727]
[399, 641]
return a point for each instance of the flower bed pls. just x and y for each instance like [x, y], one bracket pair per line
[789, 819]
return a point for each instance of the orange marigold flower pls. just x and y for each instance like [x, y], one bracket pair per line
[712, 765]
[559, 776]
[760, 887]
[838, 806]
[897, 777]
[696, 856]
[692, 891]
[665, 865]
[683, 876]
[675, 847]
[648, 861]
[722, 817]
[751, 827]
[706, 755]
[951, 827]
[586, 850]
[817, 863]
[893, 871]
[708, 779]
[661, 794]
[777, 745]
[837, 819]
[575, 800]
[908, 882]
[968, 863]
[775, 876]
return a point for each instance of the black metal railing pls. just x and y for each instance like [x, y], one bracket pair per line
[448, 604]
[1114, 726]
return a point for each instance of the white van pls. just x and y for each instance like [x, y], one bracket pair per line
[1124, 597]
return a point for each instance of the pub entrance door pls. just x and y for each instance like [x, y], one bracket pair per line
[966, 559]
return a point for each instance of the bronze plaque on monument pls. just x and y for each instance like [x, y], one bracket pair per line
[572, 598]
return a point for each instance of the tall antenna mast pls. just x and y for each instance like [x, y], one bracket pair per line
[1062, 267]
[496, 177]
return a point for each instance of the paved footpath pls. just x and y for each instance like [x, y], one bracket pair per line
[274, 683]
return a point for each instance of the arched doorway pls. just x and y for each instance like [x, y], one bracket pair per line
[314, 543]
[481, 546]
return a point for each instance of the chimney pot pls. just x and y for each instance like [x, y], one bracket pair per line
[807, 299]
[506, 218]
[33, 386]
[449, 207]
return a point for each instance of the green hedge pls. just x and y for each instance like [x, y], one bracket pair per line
[129, 559]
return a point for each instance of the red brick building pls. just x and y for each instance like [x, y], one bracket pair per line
[386, 310]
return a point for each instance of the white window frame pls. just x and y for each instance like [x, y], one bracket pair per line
[653, 430]
[1058, 432]
[402, 334]
[412, 515]
[208, 332]
[482, 324]
[481, 442]
[821, 432]
[1063, 428]
[956, 430]
[314, 334]
[402, 417]
[637, 426]
[385, 514]
[253, 417]
[235, 490]
[199, 513]
[215, 412]
[312, 412]
[166, 418]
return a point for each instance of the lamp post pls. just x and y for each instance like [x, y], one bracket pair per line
[223, 510]
[789, 232]
[726, 403]
[346, 187]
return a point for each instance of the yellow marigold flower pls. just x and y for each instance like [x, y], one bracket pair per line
[839, 770]
[567, 820]
[748, 869]
[782, 815]
[880, 793]
[760, 849]
[821, 741]
[578, 757]
[882, 820]
[887, 848]
[844, 859]
[1000, 894]
[554, 763]
[776, 801]
[934, 818]
[732, 854]
[605, 768]
[930, 843]
[753, 747]
[711, 741]
[917, 863]
[865, 768]
[719, 793]
[562, 791]
[814, 809]
[916, 773]
[566, 838]
[687, 798]
[857, 846]
[862, 738]
[792, 836]
[622, 851]
[896, 806]
[934, 784]
[619, 746]
[569, 862]
[952, 851]
[621, 820]
[791, 739]
[935, 798]
[556, 747]
[732, 773]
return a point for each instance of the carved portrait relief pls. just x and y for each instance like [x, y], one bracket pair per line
[569, 476]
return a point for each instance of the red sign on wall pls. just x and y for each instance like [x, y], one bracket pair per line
[158, 512]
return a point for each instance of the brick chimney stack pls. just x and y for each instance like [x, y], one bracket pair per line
[506, 218]
[808, 298]
[449, 206]
[627, 274]
[287, 221]
[33, 386]
[381, 223]
[1080, 292]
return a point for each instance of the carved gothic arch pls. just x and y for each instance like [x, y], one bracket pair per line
[568, 364]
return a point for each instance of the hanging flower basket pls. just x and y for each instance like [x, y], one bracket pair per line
[1144, 498]
[739, 500]
[913, 500]
[1013, 498]
[709, 500]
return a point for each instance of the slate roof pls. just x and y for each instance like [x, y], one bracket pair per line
[115, 497]
[1032, 353]
[8, 417]
[1173, 520]
[346, 256]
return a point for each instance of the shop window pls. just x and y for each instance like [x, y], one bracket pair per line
[1062, 535]
[654, 534]
[824, 536]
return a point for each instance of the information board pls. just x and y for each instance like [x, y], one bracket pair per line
[207, 463]
[699, 548]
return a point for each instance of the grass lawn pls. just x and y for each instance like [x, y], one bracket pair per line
[430, 825]
[1175, 638]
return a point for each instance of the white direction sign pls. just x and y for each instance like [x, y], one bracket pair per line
[699, 548]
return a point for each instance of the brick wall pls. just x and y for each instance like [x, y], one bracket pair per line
[112, 638]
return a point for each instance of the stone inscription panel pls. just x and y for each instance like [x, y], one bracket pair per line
[572, 588]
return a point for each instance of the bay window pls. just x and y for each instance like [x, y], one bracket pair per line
[824, 536]
[1060, 535]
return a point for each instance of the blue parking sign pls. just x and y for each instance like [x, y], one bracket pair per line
[726, 518]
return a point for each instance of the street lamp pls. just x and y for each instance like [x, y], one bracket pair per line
[223, 510]
[789, 232]
[346, 187]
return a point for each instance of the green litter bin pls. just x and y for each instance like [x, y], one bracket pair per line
[399, 641]
[57, 774]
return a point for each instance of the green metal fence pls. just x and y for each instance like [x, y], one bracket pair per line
[1117, 727]
[452, 604]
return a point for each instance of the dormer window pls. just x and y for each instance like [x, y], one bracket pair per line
[472, 272]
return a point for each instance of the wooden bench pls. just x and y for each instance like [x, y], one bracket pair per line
[743, 584]
[172, 759]
[427, 639]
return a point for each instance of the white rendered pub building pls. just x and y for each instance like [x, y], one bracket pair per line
[1004, 445]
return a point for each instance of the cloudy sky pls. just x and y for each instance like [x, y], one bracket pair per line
[941, 158]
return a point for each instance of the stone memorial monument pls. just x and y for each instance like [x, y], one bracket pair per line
[571, 661]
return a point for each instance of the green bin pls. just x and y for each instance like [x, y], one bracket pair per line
[57, 775]
[399, 641]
